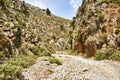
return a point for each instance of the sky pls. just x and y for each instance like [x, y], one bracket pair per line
[63, 8]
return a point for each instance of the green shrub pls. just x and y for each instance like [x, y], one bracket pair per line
[116, 56]
[11, 69]
[110, 54]
[4, 3]
[82, 8]
[1, 55]
[42, 48]
[61, 27]
[105, 1]
[102, 38]
[44, 54]
[79, 37]
[35, 50]
[70, 31]
[55, 60]
[100, 16]
[18, 39]
[25, 9]
[109, 1]
[100, 55]
[48, 12]
[22, 60]
[90, 39]
[71, 52]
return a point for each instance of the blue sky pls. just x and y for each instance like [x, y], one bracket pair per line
[63, 8]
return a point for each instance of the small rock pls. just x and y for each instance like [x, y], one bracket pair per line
[85, 69]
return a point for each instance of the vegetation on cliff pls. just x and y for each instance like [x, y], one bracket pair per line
[28, 32]
[97, 34]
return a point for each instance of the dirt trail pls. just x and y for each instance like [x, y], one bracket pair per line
[73, 68]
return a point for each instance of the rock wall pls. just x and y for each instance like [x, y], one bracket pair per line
[97, 26]
[25, 29]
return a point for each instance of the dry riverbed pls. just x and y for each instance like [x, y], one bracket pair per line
[72, 68]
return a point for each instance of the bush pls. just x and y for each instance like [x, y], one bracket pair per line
[105, 1]
[25, 9]
[55, 60]
[44, 54]
[9, 71]
[79, 36]
[82, 8]
[12, 68]
[61, 27]
[22, 60]
[1, 55]
[48, 12]
[42, 48]
[109, 1]
[109, 54]
[102, 38]
[100, 55]
[90, 39]
[4, 3]
[35, 50]
[116, 56]
[71, 52]
[100, 16]
[70, 31]
[18, 40]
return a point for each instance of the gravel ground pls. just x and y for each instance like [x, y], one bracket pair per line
[72, 68]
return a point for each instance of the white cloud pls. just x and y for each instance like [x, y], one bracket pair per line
[75, 3]
[38, 3]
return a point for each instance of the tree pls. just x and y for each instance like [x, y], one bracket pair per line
[48, 12]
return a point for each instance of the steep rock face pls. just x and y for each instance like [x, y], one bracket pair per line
[25, 29]
[97, 26]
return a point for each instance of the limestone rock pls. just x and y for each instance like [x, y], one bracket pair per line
[24, 23]
[99, 19]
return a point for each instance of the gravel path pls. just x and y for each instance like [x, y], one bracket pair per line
[73, 68]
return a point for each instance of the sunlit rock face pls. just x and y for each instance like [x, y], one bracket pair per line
[100, 20]
[31, 30]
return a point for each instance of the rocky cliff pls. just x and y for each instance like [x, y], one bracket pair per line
[97, 26]
[25, 29]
